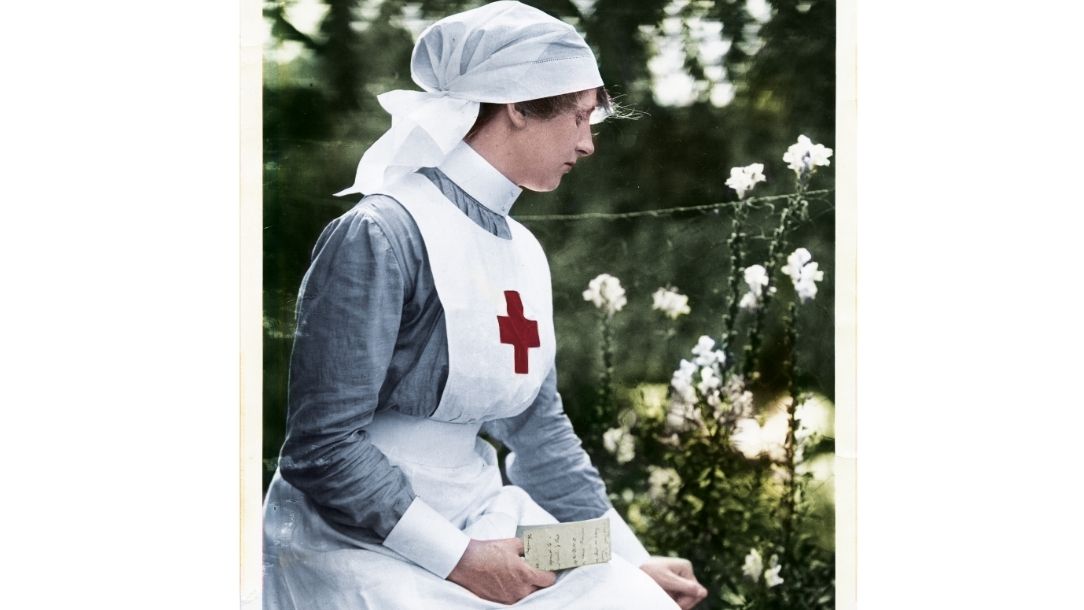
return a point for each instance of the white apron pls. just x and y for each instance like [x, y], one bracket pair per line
[498, 313]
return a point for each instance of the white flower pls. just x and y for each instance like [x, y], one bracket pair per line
[773, 436]
[685, 372]
[708, 381]
[803, 273]
[703, 346]
[682, 381]
[805, 156]
[771, 575]
[813, 417]
[610, 439]
[795, 261]
[705, 352]
[662, 482]
[734, 387]
[685, 394]
[723, 409]
[743, 179]
[743, 403]
[682, 415]
[749, 301]
[606, 293]
[619, 442]
[806, 286]
[756, 277]
[746, 437]
[670, 302]
[754, 440]
[805, 428]
[754, 565]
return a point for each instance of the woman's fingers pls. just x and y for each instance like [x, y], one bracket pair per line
[688, 593]
[677, 578]
[542, 578]
[517, 546]
[495, 570]
[682, 567]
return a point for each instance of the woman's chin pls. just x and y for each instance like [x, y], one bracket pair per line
[542, 187]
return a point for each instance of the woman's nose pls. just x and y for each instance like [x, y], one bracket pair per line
[586, 145]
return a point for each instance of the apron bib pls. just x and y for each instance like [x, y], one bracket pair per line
[497, 304]
[498, 312]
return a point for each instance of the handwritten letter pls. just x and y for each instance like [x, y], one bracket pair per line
[566, 545]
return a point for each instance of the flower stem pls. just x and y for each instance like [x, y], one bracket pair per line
[735, 246]
[789, 218]
[604, 409]
[789, 502]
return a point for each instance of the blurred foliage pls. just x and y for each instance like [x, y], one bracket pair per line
[320, 113]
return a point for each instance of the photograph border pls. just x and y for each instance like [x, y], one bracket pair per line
[251, 251]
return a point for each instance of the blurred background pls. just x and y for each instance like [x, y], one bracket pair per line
[716, 84]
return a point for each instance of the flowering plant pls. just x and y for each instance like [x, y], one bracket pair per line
[606, 293]
[804, 157]
[729, 460]
[671, 302]
[743, 179]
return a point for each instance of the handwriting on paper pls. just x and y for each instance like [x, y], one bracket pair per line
[566, 545]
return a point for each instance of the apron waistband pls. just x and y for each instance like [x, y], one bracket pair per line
[421, 440]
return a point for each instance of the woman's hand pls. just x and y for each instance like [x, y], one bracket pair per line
[495, 570]
[675, 576]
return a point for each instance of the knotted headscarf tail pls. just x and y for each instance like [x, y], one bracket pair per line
[501, 53]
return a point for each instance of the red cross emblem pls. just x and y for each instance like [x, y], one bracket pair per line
[517, 330]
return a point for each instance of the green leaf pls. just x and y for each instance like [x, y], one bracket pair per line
[733, 598]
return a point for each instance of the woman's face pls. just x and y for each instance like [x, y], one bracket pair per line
[549, 148]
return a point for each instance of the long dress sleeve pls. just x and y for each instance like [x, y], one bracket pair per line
[349, 313]
[548, 461]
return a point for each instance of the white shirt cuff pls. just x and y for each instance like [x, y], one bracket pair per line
[625, 543]
[425, 537]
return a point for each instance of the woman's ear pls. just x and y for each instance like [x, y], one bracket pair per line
[515, 116]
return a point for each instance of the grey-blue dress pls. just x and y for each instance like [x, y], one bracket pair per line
[371, 338]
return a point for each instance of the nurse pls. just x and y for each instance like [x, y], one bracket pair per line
[425, 320]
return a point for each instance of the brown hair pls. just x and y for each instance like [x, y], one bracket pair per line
[543, 107]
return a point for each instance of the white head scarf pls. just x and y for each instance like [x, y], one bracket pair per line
[501, 53]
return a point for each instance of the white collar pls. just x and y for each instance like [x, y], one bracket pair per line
[472, 173]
